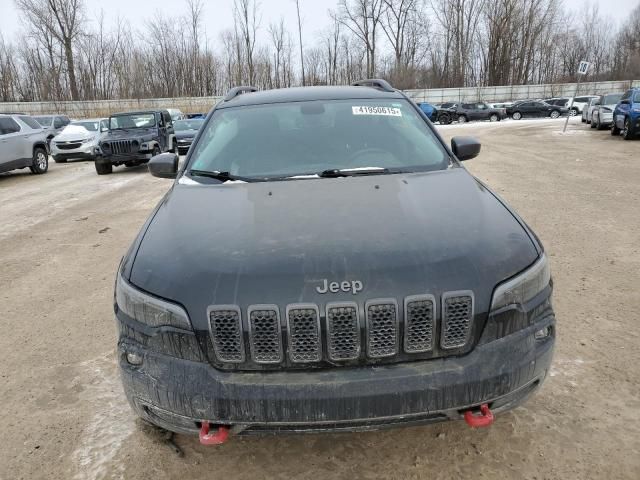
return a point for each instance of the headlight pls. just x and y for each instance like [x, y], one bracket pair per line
[147, 309]
[88, 140]
[524, 287]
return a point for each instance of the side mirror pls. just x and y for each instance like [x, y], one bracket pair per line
[465, 148]
[164, 165]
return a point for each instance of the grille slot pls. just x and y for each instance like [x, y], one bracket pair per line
[303, 323]
[457, 315]
[343, 331]
[121, 146]
[382, 328]
[419, 315]
[226, 333]
[265, 336]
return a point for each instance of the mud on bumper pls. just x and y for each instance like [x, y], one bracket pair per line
[178, 394]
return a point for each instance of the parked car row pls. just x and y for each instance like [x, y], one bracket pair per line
[617, 112]
[129, 138]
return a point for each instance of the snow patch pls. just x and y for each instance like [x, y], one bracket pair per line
[110, 424]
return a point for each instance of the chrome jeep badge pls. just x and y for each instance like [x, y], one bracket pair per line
[354, 287]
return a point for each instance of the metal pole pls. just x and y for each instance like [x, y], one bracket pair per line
[571, 106]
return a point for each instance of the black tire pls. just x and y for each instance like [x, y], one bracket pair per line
[59, 159]
[599, 126]
[583, 120]
[175, 149]
[40, 163]
[615, 131]
[573, 112]
[103, 167]
[462, 119]
[588, 122]
[155, 151]
[593, 124]
[444, 119]
[516, 116]
[627, 131]
[554, 114]
[494, 118]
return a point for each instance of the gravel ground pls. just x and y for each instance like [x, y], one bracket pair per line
[64, 414]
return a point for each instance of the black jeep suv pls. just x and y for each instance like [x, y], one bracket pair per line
[135, 137]
[323, 261]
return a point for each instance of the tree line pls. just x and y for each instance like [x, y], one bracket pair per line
[62, 54]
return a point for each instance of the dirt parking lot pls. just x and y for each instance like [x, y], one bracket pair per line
[64, 415]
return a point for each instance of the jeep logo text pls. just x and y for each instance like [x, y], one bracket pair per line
[354, 287]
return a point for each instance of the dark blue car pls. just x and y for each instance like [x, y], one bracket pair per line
[626, 116]
[429, 110]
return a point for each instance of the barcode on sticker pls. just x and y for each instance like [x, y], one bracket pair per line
[384, 111]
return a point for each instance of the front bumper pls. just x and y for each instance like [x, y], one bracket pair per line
[606, 118]
[177, 394]
[85, 151]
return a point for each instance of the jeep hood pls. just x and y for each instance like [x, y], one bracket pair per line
[137, 133]
[276, 242]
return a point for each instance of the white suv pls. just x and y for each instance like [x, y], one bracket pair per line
[23, 143]
[579, 103]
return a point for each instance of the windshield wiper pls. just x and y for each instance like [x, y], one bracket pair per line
[350, 172]
[222, 176]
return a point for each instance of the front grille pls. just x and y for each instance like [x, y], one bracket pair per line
[418, 323]
[120, 147]
[380, 331]
[457, 315]
[343, 331]
[265, 336]
[226, 331]
[382, 328]
[68, 146]
[304, 333]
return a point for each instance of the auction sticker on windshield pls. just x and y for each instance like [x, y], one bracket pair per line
[371, 110]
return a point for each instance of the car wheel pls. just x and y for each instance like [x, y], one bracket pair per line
[494, 117]
[176, 150]
[516, 116]
[554, 114]
[444, 119]
[156, 151]
[615, 131]
[573, 112]
[599, 126]
[59, 159]
[626, 131]
[583, 120]
[40, 161]
[103, 167]
[593, 124]
[462, 119]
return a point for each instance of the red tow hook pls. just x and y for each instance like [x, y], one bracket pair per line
[484, 419]
[216, 438]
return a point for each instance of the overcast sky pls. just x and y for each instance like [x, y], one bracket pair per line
[218, 13]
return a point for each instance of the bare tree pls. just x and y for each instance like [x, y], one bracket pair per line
[362, 18]
[63, 20]
[300, 41]
[247, 21]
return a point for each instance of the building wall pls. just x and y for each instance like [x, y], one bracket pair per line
[102, 108]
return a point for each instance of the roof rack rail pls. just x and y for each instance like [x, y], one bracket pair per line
[375, 83]
[235, 91]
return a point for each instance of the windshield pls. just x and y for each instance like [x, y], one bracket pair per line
[304, 138]
[182, 125]
[636, 97]
[134, 120]
[31, 122]
[44, 121]
[91, 126]
[612, 99]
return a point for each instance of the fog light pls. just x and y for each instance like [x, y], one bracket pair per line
[543, 333]
[134, 359]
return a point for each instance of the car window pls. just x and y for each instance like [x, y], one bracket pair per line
[91, 126]
[132, 120]
[636, 97]
[468, 106]
[612, 99]
[104, 124]
[626, 96]
[8, 125]
[482, 106]
[301, 138]
[185, 125]
[44, 121]
[30, 122]
[58, 122]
